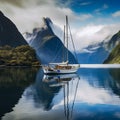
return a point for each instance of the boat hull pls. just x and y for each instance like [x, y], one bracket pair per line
[61, 71]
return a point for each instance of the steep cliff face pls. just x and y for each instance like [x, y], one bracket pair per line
[114, 41]
[9, 34]
[114, 45]
[48, 46]
[114, 56]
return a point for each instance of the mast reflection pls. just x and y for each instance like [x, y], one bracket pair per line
[64, 82]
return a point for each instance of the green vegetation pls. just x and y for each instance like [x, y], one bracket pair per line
[20, 56]
[114, 56]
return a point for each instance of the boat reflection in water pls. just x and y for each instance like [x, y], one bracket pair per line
[48, 98]
[96, 96]
[59, 80]
[63, 80]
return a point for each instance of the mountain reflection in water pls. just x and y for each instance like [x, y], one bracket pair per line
[90, 94]
[63, 81]
[13, 81]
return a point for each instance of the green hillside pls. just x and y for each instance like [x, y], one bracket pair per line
[19, 56]
[114, 56]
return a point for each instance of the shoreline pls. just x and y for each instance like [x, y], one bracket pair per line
[18, 66]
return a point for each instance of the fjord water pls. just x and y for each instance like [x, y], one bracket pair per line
[91, 94]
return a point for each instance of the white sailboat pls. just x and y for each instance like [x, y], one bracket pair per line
[64, 67]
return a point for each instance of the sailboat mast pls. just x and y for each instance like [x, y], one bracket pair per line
[67, 36]
[63, 57]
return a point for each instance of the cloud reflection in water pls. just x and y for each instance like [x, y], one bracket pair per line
[94, 97]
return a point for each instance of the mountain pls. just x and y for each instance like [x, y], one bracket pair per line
[114, 56]
[115, 40]
[47, 42]
[48, 46]
[93, 54]
[114, 46]
[9, 34]
[14, 50]
[98, 53]
[12, 84]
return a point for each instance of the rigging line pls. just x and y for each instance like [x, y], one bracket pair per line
[72, 84]
[75, 96]
[63, 45]
[64, 100]
[68, 101]
[73, 43]
[67, 35]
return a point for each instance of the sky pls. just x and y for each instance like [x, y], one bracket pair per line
[91, 20]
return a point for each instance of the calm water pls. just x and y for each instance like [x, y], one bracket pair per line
[91, 94]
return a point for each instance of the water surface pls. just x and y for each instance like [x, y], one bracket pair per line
[91, 94]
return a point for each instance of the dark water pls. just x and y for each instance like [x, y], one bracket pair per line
[91, 94]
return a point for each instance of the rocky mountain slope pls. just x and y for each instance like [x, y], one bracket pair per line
[14, 49]
[114, 56]
[114, 45]
[9, 34]
[115, 40]
[48, 46]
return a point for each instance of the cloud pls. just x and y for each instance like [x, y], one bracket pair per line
[100, 95]
[28, 14]
[92, 94]
[31, 15]
[87, 93]
[117, 114]
[17, 3]
[105, 6]
[116, 14]
[85, 3]
[25, 3]
[88, 35]
[93, 34]
[64, 3]
[83, 17]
